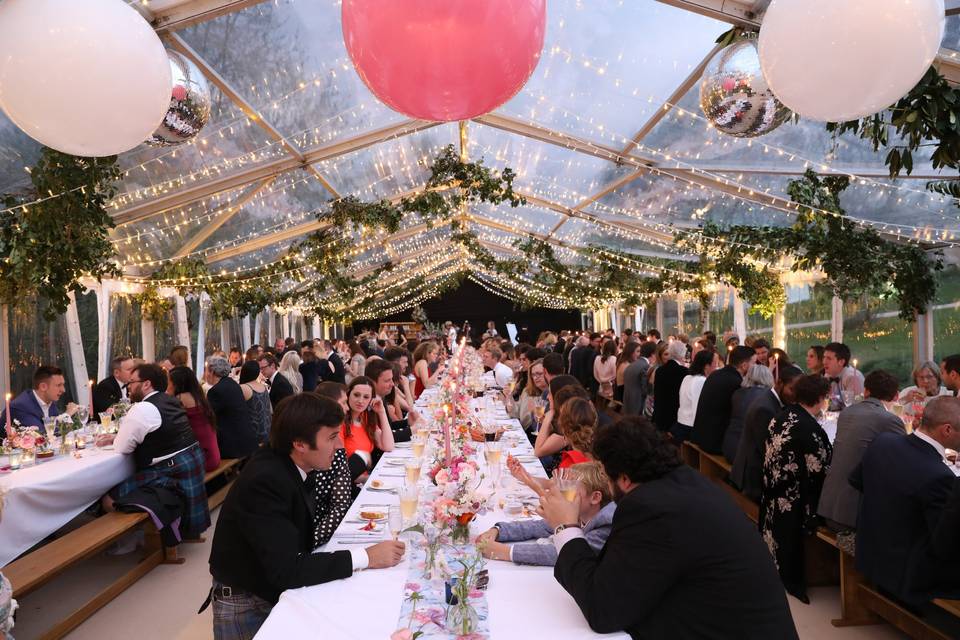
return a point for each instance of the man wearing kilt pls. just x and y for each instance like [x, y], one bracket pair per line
[158, 434]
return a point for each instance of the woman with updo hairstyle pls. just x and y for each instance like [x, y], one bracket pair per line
[577, 423]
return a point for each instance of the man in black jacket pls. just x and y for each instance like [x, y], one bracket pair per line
[666, 386]
[111, 390]
[334, 370]
[236, 434]
[280, 387]
[581, 361]
[716, 400]
[658, 576]
[264, 537]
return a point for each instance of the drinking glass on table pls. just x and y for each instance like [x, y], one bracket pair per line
[394, 521]
[409, 497]
[105, 419]
[412, 469]
[83, 414]
[493, 451]
[417, 445]
[49, 427]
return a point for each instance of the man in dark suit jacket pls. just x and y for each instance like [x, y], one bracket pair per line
[236, 434]
[581, 362]
[906, 485]
[716, 400]
[280, 387]
[264, 536]
[334, 370]
[857, 427]
[666, 386]
[40, 401]
[112, 389]
[635, 381]
[747, 471]
[658, 576]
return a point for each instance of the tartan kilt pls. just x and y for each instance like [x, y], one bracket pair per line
[183, 473]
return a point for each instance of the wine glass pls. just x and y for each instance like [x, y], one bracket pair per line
[83, 414]
[493, 452]
[395, 521]
[567, 484]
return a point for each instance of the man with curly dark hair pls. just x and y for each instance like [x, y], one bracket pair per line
[681, 561]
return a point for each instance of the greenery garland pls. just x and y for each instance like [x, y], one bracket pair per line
[46, 246]
[153, 306]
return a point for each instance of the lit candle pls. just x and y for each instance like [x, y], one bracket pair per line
[776, 366]
[90, 397]
[446, 441]
[9, 420]
[854, 363]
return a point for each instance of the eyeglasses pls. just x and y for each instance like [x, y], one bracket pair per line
[130, 382]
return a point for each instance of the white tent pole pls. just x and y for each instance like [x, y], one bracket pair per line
[739, 317]
[316, 327]
[202, 332]
[183, 328]
[246, 332]
[5, 350]
[257, 323]
[102, 290]
[77, 359]
[224, 335]
[836, 320]
[271, 328]
[148, 339]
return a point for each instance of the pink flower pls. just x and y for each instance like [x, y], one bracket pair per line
[412, 586]
[402, 634]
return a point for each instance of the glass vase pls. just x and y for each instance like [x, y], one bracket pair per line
[462, 619]
[460, 534]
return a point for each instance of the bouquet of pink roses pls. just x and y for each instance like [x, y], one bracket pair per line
[26, 438]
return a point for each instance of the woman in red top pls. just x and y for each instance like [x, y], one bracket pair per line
[577, 422]
[424, 356]
[366, 428]
[190, 393]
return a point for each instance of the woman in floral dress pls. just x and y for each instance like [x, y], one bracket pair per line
[794, 467]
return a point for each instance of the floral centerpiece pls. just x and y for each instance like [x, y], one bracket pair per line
[459, 499]
[119, 409]
[28, 439]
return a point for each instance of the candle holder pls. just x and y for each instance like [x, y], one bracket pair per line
[29, 458]
[16, 459]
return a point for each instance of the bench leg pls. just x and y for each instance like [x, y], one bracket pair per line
[853, 612]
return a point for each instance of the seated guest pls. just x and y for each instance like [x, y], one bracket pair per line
[758, 382]
[716, 400]
[815, 360]
[366, 429]
[188, 391]
[425, 355]
[235, 431]
[846, 383]
[112, 390]
[179, 357]
[290, 369]
[536, 385]
[265, 530]
[857, 426]
[703, 364]
[532, 537]
[500, 374]
[157, 432]
[795, 465]
[927, 384]
[950, 373]
[635, 380]
[667, 381]
[399, 415]
[577, 423]
[39, 403]
[658, 576]
[549, 441]
[280, 387]
[906, 484]
[747, 471]
[256, 396]
[762, 348]
[310, 369]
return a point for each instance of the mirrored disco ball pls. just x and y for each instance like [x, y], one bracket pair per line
[734, 95]
[189, 104]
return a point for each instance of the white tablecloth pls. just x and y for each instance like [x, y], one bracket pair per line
[40, 499]
[523, 601]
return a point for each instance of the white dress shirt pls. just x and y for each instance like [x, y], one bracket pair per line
[502, 374]
[690, 390]
[123, 389]
[358, 557]
[143, 418]
[44, 406]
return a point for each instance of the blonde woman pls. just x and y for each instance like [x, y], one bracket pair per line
[290, 369]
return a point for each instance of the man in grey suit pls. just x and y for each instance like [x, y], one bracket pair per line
[635, 381]
[857, 426]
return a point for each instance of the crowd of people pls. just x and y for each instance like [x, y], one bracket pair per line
[311, 420]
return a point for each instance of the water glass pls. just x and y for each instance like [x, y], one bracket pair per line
[395, 521]
[83, 414]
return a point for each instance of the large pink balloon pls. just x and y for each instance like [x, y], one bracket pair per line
[444, 60]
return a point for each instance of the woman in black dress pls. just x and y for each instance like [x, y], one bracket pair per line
[796, 459]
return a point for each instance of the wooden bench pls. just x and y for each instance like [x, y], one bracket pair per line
[899, 616]
[950, 606]
[718, 469]
[39, 567]
[229, 468]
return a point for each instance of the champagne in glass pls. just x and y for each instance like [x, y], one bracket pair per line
[409, 496]
[395, 521]
[417, 445]
[105, 420]
[412, 468]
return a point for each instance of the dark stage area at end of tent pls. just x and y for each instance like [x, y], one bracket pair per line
[471, 302]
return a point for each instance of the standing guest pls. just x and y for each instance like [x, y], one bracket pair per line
[366, 429]
[906, 484]
[235, 431]
[711, 337]
[290, 369]
[758, 382]
[747, 471]
[280, 387]
[815, 360]
[425, 355]
[795, 465]
[491, 331]
[635, 380]
[500, 374]
[581, 361]
[654, 336]
[358, 360]
[780, 360]
[762, 348]
[846, 383]
[716, 400]
[660, 358]
[569, 347]
[179, 356]
[334, 486]
[927, 385]
[112, 390]
[667, 383]
[252, 355]
[188, 391]
[334, 371]
[950, 373]
[605, 370]
[536, 386]
[265, 530]
[704, 363]
[310, 370]
[256, 395]
[235, 357]
[629, 355]
[657, 576]
[39, 403]
[156, 431]
[532, 537]
[857, 427]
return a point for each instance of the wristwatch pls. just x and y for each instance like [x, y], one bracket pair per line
[561, 527]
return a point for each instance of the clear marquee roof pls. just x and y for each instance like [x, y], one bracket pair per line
[607, 138]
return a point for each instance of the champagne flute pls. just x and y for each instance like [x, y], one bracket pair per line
[409, 497]
[83, 414]
[395, 521]
[412, 468]
[417, 445]
[493, 451]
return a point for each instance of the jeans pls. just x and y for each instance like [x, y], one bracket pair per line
[239, 616]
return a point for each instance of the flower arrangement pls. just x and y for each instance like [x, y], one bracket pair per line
[119, 409]
[25, 438]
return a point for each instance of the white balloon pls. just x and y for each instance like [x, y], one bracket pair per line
[86, 77]
[837, 60]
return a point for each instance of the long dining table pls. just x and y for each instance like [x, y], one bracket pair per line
[522, 600]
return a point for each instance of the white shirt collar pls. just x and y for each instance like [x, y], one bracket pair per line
[123, 388]
[776, 395]
[152, 393]
[303, 474]
[271, 382]
[43, 405]
[933, 443]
